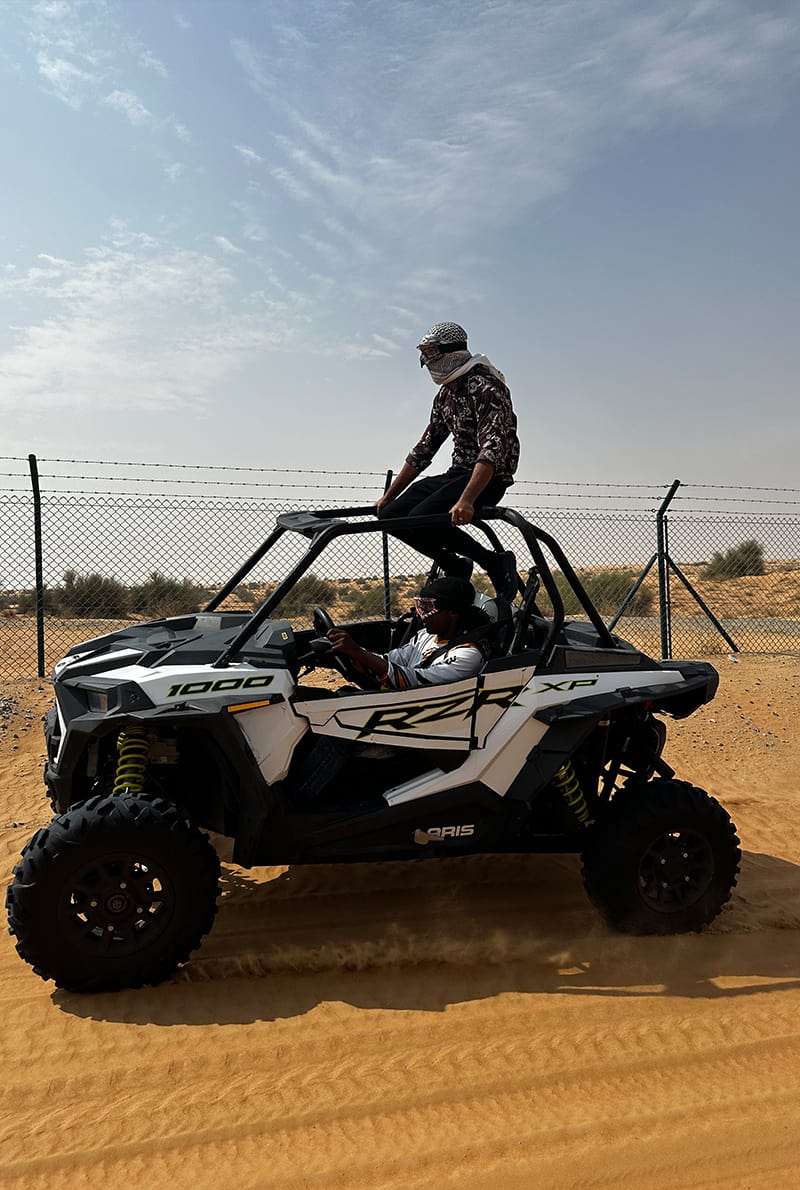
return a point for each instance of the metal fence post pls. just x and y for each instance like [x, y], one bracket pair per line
[663, 586]
[387, 590]
[37, 549]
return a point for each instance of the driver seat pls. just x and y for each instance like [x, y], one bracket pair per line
[499, 630]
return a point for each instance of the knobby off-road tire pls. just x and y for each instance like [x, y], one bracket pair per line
[664, 860]
[115, 893]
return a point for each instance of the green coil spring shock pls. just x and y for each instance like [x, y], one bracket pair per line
[567, 783]
[132, 747]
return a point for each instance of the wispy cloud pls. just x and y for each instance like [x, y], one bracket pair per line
[149, 61]
[386, 152]
[67, 56]
[130, 105]
[252, 227]
[356, 351]
[402, 149]
[249, 155]
[466, 126]
[227, 246]
[82, 53]
[136, 322]
[180, 130]
[254, 65]
[66, 80]
[290, 183]
[323, 247]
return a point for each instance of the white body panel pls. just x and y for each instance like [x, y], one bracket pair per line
[440, 716]
[76, 661]
[491, 719]
[175, 683]
[508, 743]
[272, 734]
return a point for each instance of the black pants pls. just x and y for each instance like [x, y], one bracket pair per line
[438, 493]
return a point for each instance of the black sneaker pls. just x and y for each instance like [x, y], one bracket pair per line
[503, 573]
[456, 567]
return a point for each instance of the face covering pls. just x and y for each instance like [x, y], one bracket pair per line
[444, 365]
[449, 367]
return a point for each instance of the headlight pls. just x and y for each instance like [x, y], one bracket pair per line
[119, 696]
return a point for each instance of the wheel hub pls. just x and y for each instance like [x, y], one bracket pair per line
[117, 903]
[121, 901]
[676, 870]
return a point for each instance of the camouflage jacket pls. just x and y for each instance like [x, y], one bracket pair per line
[477, 411]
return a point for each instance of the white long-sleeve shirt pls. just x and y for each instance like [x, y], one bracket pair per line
[406, 670]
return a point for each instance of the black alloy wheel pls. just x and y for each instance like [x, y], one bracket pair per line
[676, 870]
[115, 893]
[663, 859]
[118, 903]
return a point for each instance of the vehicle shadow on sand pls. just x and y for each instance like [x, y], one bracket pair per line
[422, 936]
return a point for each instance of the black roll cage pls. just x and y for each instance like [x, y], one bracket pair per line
[324, 525]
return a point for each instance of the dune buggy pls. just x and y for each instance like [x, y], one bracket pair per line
[211, 721]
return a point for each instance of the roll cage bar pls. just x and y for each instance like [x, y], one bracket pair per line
[323, 526]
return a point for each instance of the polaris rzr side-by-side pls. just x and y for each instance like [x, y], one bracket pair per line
[163, 731]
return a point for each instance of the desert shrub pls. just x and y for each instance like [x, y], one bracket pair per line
[92, 596]
[163, 596]
[367, 603]
[482, 583]
[746, 558]
[606, 589]
[26, 604]
[568, 597]
[306, 593]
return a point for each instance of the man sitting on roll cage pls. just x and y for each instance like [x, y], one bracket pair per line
[474, 405]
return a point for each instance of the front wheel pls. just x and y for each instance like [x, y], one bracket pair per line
[664, 859]
[114, 893]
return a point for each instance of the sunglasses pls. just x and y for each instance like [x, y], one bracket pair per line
[428, 352]
[425, 606]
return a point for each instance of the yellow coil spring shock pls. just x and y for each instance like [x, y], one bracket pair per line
[132, 746]
[567, 783]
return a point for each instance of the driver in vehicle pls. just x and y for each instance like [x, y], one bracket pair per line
[447, 647]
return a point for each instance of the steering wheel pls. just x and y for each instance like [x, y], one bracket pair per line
[322, 625]
[322, 622]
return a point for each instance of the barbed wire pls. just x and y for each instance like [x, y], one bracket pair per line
[630, 492]
[218, 483]
[51, 498]
[609, 484]
[186, 466]
[187, 499]
[728, 515]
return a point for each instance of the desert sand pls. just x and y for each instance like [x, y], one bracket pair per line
[465, 1023]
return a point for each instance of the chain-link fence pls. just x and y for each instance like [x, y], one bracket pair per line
[681, 571]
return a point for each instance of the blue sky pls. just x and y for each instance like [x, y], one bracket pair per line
[225, 225]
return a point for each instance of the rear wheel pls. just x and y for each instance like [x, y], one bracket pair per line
[114, 893]
[664, 860]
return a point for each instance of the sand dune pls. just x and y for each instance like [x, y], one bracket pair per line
[467, 1023]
